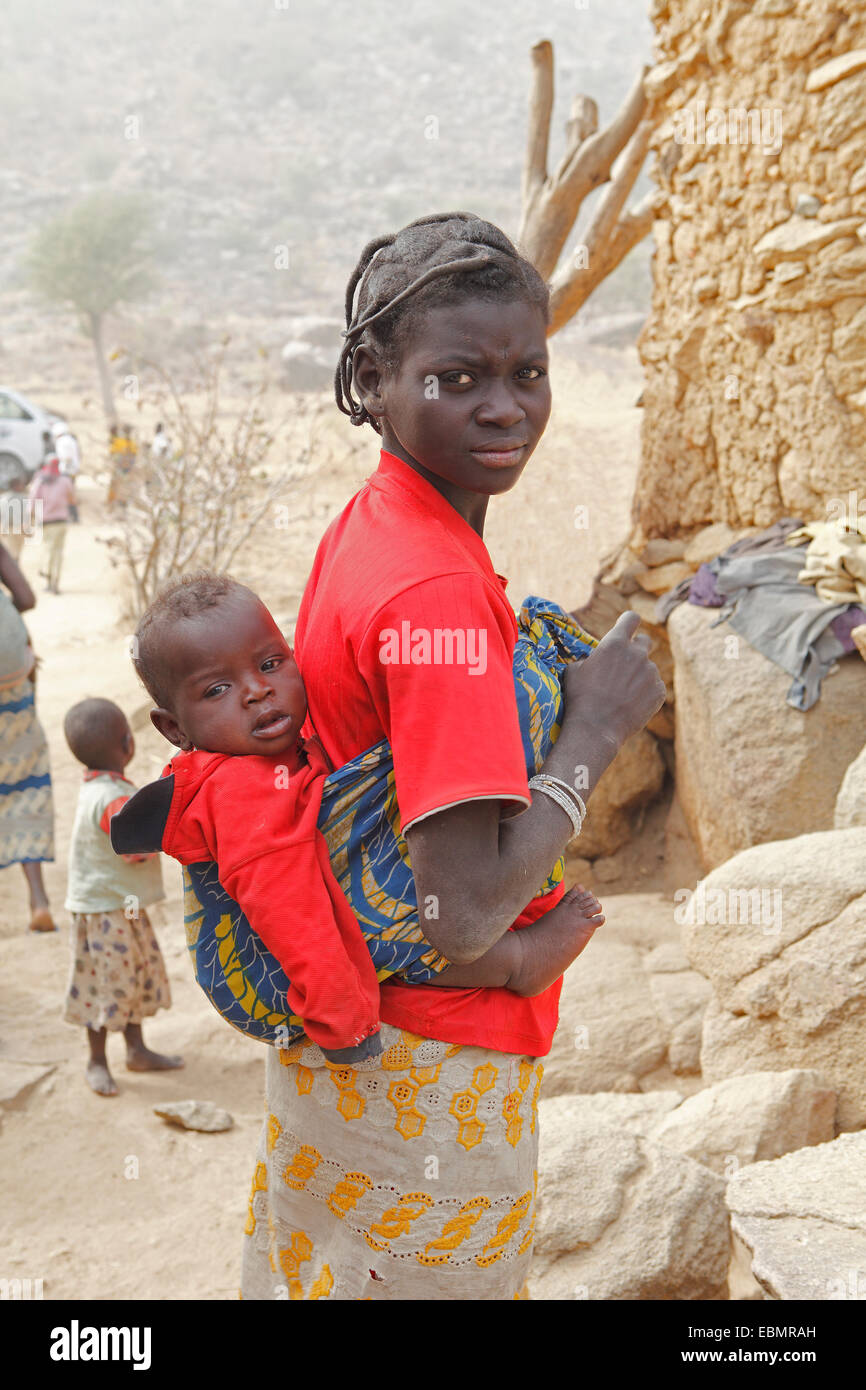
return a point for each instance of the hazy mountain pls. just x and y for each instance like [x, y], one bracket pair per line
[257, 124]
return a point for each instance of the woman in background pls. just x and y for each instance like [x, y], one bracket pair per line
[26, 807]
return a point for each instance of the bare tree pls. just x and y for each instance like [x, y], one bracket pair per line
[196, 507]
[551, 203]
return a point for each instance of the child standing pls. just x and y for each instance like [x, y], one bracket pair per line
[118, 975]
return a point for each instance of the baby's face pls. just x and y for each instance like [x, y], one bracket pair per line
[237, 688]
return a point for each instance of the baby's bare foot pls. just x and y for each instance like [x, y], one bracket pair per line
[144, 1060]
[100, 1080]
[553, 942]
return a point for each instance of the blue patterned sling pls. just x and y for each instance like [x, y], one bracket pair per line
[360, 820]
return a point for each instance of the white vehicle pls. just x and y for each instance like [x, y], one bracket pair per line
[22, 425]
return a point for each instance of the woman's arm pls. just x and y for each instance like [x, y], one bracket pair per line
[22, 595]
[474, 873]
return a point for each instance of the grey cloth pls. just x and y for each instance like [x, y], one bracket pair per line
[771, 539]
[784, 619]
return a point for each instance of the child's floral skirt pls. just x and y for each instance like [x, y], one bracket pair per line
[118, 975]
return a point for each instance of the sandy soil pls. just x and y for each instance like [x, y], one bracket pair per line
[105, 1199]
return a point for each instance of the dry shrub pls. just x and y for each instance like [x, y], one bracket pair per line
[196, 508]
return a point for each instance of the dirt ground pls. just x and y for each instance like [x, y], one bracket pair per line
[104, 1199]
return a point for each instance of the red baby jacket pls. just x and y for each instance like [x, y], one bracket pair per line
[256, 817]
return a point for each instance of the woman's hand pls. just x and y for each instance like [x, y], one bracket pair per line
[616, 688]
[479, 871]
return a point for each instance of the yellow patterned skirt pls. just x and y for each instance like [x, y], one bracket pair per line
[413, 1177]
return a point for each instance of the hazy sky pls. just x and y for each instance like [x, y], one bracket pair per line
[250, 122]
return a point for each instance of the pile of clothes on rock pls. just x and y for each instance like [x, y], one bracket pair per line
[796, 592]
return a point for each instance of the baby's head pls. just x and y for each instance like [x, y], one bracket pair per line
[219, 670]
[99, 736]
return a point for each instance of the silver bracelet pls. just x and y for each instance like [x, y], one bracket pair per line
[567, 787]
[544, 783]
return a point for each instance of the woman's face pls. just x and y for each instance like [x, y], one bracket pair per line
[470, 398]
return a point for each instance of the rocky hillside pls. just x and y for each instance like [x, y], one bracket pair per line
[252, 127]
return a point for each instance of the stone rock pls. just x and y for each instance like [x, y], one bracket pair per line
[680, 996]
[637, 1113]
[580, 870]
[609, 1033]
[645, 605]
[604, 607]
[660, 551]
[680, 1000]
[807, 205]
[633, 779]
[664, 577]
[202, 1115]
[844, 65]
[799, 235]
[750, 768]
[609, 868]
[668, 958]
[803, 1217]
[663, 724]
[318, 330]
[622, 1218]
[17, 1078]
[850, 809]
[786, 271]
[686, 355]
[706, 287]
[306, 367]
[849, 341]
[748, 1118]
[684, 1047]
[708, 543]
[660, 655]
[789, 981]
[629, 580]
[742, 1284]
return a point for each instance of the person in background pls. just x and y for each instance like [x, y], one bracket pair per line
[49, 453]
[69, 456]
[113, 436]
[54, 494]
[124, 452]
[161, 446]
[26, 807]
[117, 975]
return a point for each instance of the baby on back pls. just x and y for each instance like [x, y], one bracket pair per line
[245, 792]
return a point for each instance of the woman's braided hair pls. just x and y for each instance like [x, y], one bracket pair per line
[440, 259]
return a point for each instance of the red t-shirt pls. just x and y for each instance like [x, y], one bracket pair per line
[257, 818]
[404, 632]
